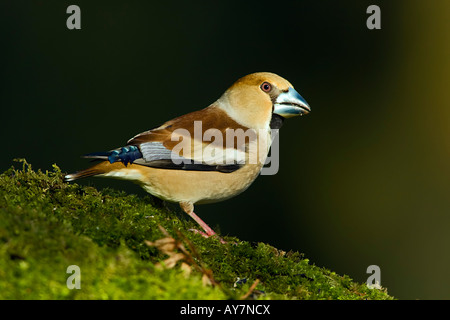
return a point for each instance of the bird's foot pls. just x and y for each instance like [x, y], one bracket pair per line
[211, 233]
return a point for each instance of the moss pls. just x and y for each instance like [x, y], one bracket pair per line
[47, 225]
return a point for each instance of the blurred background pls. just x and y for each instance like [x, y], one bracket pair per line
[364, 179]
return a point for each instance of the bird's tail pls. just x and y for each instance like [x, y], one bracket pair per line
[110, 161]
[98, 169]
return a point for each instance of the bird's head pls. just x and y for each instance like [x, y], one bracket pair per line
[254, 99]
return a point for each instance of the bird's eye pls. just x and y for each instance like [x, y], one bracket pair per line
[266, 87]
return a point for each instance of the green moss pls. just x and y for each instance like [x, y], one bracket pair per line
[47, 225]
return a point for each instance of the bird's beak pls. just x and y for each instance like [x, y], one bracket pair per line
[290, 104]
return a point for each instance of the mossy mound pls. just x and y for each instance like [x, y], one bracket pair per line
[129, 247]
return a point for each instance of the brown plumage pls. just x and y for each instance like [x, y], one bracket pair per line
[211, 117]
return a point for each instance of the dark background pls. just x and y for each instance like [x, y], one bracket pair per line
[364, 179]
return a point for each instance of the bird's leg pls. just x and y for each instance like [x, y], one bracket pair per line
[188, 207]
[208, 231]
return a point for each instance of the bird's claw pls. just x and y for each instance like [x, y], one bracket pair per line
[206, 235]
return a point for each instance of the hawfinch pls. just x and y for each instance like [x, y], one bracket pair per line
[208, 155]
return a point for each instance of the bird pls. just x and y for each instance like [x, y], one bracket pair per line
[194, 159]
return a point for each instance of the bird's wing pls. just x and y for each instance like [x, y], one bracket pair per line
[195, 141]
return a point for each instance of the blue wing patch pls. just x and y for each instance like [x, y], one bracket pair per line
[125, 154]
